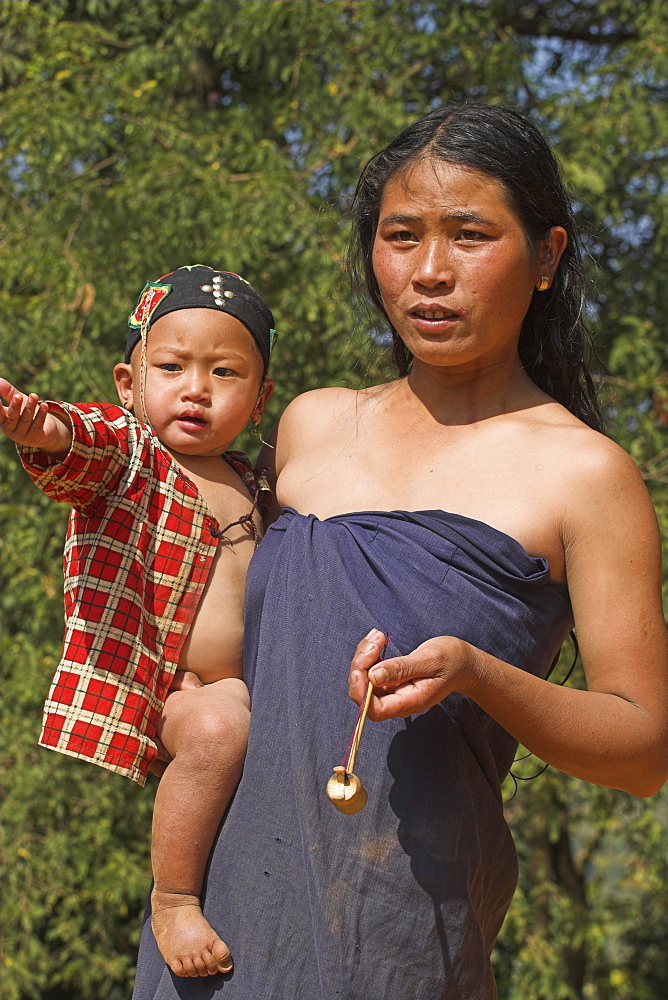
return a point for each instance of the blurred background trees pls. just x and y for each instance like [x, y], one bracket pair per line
[139, 136]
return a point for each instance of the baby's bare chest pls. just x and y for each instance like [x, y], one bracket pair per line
[213, 648]
[238, 528]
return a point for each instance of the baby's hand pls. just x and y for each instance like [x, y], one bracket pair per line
[184, 680]
[27, 421]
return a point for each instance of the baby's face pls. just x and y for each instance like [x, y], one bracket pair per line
[203, 381]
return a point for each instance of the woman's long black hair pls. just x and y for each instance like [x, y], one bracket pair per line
[555, 344]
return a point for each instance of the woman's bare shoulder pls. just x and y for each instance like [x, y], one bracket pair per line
[598, 482]
[581, 449]
[328, 407]
[318, 399]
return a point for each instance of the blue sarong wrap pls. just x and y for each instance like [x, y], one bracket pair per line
[405, 898]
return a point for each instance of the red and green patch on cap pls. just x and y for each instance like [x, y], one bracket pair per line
[152, 295]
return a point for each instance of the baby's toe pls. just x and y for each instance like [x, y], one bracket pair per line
[210, 963]
[177, 967]
[201, 966]
[222, 957]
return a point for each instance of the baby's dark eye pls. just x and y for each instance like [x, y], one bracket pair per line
[169, 367]
[223, 372]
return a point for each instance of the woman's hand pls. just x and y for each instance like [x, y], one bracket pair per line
[407, 685]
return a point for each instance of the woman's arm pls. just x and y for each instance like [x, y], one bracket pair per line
[616, 732]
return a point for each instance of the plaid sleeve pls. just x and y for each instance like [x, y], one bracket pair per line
[103, 437]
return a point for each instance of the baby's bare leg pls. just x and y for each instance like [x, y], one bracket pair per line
[205, 731]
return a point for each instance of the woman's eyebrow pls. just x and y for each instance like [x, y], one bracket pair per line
[468, 217]
[446, 217]
[392, 219]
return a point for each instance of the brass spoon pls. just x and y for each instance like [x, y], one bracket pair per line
[344, 789]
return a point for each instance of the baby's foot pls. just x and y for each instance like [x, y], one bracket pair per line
[186, 939]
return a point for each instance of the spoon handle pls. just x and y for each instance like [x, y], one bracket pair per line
[357, 735]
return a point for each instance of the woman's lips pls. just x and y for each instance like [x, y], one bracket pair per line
[434, 320]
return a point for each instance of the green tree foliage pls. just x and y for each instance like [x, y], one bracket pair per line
[140, 136]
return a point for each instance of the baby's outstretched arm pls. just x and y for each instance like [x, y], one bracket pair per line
[28, 422]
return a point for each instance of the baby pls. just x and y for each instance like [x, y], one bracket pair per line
[164, 522]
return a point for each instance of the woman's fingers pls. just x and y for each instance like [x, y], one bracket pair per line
[408, 699]
[420, 663]
[366, 654]
[407, 685]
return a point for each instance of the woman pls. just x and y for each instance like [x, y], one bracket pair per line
[473, 512]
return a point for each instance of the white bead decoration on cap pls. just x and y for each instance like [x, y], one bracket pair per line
[219, 293]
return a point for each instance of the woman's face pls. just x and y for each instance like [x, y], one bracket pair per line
[453, 266]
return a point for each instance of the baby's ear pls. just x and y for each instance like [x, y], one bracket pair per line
[266, 390]
[124, 380]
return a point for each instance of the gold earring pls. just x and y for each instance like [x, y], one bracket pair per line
[544, 283]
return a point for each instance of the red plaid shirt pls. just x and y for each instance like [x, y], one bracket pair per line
[139, 549]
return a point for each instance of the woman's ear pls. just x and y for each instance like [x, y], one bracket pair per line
[550, 253]
[124, 379]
